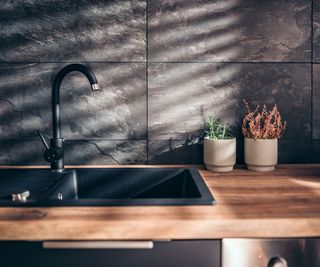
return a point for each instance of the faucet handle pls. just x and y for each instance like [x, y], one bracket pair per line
[52, 153]
[44, 142]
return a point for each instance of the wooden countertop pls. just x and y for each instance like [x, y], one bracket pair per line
[282, 203]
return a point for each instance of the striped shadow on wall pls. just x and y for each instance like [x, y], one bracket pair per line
[164, 66]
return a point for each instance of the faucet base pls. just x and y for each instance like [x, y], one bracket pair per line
[57, 170]
[57, 166]
[56, 145]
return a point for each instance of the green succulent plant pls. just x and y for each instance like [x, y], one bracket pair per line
[216, 129]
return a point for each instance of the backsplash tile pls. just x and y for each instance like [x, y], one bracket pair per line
[161, 76]
[76, 152]
[188, 152]
[316, 31]
[175, 152]
[118, 111]
[316, 101]
[182, 95]
[21, 153]
[232, 30]
[73, 31]
[106, 152]
[315, 151]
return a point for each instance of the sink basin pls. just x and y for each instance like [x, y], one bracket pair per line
[43, 185]
[105, 187]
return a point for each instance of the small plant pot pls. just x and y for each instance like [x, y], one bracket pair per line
[261, 154]
[220, 155]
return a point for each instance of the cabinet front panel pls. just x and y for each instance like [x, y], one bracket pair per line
[163, 254]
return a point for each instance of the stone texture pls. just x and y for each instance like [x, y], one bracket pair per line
[182, 95]
[73, 31]
[184, 152]
[76, 152]
[316, 101]
[289, 151]
[295, 151]
[316, 151]
[316, 31]
[175, 152]
[106, 152]
[205, 30]
[21, 153]
[110, 127]
[118, 111]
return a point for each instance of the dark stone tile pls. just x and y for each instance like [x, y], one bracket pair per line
[240, 152]
[316, 31]
[73, 31]
[316, 151]
[184, 152]
[118, 111]
[106, 152]
[21, 153]
[175, 152]
[182, 95]
[295, 151]
[289, 151]
[316, 101]
[205, 30]
[76, 152]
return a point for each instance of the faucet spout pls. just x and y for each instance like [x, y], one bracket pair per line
[54, 154]
[95, 87]
[56, 92]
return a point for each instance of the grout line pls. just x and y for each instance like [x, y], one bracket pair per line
[311, 82]
[238, 139]
[231, 62]
[147, 79]
[140, 140]
[75, 140]
[161, 62]
[312, 31]
[73, 62]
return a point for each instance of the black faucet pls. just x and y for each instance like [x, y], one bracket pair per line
[54, 153]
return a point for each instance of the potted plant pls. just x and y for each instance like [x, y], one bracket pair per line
[219, 147]
[261, 129]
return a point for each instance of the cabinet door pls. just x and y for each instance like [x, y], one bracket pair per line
[162, 254]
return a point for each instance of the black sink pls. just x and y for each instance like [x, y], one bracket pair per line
[105, 187]
[43, 185]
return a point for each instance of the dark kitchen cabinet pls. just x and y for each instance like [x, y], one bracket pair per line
[195, 253]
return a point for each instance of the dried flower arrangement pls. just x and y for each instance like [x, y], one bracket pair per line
[262, 124]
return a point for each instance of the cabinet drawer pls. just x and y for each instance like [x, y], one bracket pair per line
[161, 254]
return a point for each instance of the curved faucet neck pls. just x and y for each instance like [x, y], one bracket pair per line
[56, 92]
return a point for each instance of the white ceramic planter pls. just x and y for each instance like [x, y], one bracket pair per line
[261, 154]
[220, 155]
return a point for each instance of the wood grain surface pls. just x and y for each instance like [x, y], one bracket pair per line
[282, 203]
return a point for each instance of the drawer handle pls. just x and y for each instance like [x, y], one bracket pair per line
[97, 244]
